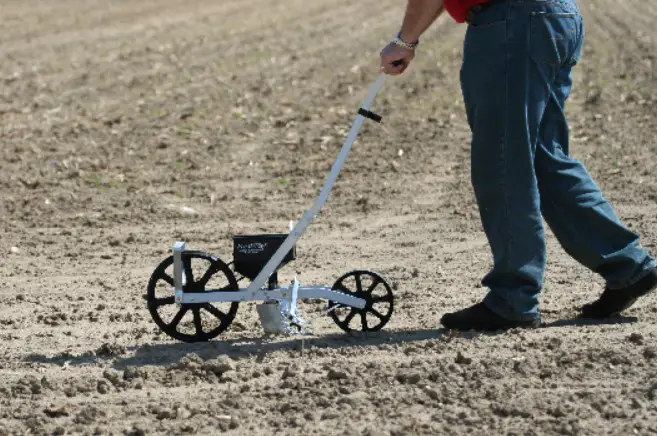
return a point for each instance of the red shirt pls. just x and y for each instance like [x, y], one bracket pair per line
[458, 8]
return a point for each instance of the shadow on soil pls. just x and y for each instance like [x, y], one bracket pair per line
[168, 353]
[164, 354]
[584, 322]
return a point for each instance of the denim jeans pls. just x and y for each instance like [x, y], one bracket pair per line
[515, 79]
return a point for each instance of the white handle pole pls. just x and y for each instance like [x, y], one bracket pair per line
[310, 214]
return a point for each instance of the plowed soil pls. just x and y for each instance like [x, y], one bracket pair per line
[128, 125]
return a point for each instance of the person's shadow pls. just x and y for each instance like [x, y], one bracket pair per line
[261, 347]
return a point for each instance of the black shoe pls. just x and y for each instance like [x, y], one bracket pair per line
[613, 302]
[480, 317]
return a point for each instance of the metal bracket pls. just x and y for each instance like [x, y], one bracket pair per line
[178, 279]
[369, 114]
[280, 316]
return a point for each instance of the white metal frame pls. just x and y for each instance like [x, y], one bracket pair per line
[286, 296]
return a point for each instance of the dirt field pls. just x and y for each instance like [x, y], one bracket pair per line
[127, 125]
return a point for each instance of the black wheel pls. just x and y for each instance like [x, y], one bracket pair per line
[379, 302]
[192, 322]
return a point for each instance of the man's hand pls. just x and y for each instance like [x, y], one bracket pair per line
[395, 59]
[420, 14]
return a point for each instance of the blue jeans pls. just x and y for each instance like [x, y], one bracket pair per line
[515, 78]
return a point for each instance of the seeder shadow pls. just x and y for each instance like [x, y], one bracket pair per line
[168, 353]
[172, 352]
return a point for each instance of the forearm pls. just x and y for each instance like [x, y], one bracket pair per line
[420, 15]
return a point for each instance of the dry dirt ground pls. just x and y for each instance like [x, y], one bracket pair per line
[127, 125]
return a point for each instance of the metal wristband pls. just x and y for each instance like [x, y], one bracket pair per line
[401, 43]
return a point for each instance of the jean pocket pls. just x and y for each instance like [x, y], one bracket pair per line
[498, 22]
[553, 37]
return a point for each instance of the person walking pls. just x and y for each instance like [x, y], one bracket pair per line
[515, 79]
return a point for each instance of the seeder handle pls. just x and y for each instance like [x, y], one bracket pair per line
[310, 214]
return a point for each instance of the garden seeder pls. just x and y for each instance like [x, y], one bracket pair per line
[358, 300]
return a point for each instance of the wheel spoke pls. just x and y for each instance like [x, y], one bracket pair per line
[176, 319]
[208, 274]
[214, 311]
[197, 320]
[189, 275]
[376, 313]
[157, 302]
[349, 317]
[374, 284]
[363, 320]
[359, 285]
[167, 278]
[382, 298]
